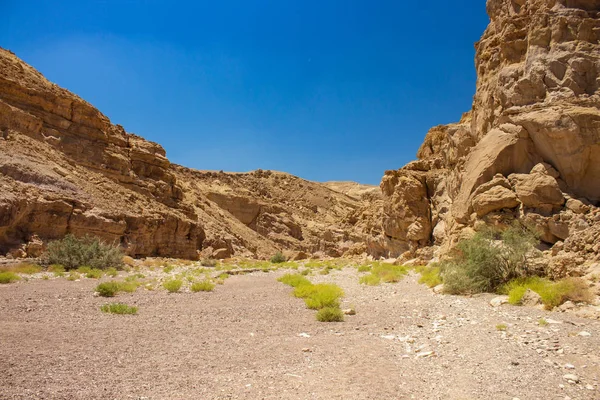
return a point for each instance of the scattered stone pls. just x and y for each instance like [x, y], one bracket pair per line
[424, 354]
[531, 298]
[571, 378]
[304, 335]
[306, 350]
[584, 334]
[349, 311]
[498, 301]
[569, 366]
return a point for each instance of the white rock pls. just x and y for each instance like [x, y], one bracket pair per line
[303, 334]
[589, 387]
[584, 333]
[498, 301]
[424, 354]
[553, 321]
[571, 378]
[569, 366]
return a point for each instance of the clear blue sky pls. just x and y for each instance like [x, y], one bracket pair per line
[326, 90]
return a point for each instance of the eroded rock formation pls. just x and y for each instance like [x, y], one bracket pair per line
[64, 168]
[528, 149]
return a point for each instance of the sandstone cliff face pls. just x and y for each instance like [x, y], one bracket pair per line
[528, 149]
[64, 168]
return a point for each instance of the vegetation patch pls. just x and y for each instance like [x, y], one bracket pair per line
[110, 289]
[73, 252]
[430, 276]
[173, 285]
[330, 314]
[278, 258]
[317, 297]
[118, 308]
[294, 280]
[552, 293]
[488, 260]
[204, 286]
[384, 272]
[22, 268]
[8, 277]
[501, 327]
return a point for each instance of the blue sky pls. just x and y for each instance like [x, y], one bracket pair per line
[326, 90]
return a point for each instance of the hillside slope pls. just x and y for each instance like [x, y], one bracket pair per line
[64, 168]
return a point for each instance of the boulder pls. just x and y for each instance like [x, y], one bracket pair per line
[494, 199]
[536, 190]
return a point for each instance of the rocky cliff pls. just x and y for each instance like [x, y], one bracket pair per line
[65, 168]
[528, 150]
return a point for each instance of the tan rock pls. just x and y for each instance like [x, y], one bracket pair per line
[494, 199]
[536, 190]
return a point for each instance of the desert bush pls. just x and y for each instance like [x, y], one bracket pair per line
[92, 273]
[330, 314]
[294, 280]
[8, 277]
[173, 285]
[73, 276]
[383, 272]
[370, 280]
[430, 276]
[278, 258]
[501, 327]
[551, 293]
[204, 286]
[118, 308]
[22, 268]
[167, 269]
[73, 252]
[488, 260]
[364, 268]
[107, 289]
[319, 296]
[112, 272]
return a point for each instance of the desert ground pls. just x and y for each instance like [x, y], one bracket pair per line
[251, 339]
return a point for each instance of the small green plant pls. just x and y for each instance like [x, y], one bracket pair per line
[173, 285]
[364, 268]
[552, 293]
[370, 280]
[73, 276]
[168, 268]
[57, 269]
[8, 277]
[278, 258]
[542, 322]
[383, 272]
[325, 271]
[118, 308]
[204, 286]
[112, 272]
[501, 327]
[319, 296]
[294, 280]
[430, 276]
[22, 268]
[107, 289]
[330, 314]
[93, 273]
[73, 252]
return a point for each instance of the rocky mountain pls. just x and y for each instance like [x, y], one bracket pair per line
[528, 150]
[65, 168]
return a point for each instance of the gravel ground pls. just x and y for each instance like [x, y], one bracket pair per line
[249, 339]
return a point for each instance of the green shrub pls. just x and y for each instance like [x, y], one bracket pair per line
[92, 273]
[364, 268]
[112, 272]
[325, 271]
[330, 314]
[501, 327]
[73, 276]
[168, 269]
[551, 293]
[73, 252]
[57, 269]
[118, 308]
[204, 286]
[107, 289]
[370, 280]
[278, 258]
[294, 280]
[488, 260]
[173, 285]
[383, 272]
[319, 296]
[430, 276]
[22, 268]
[8, 277]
